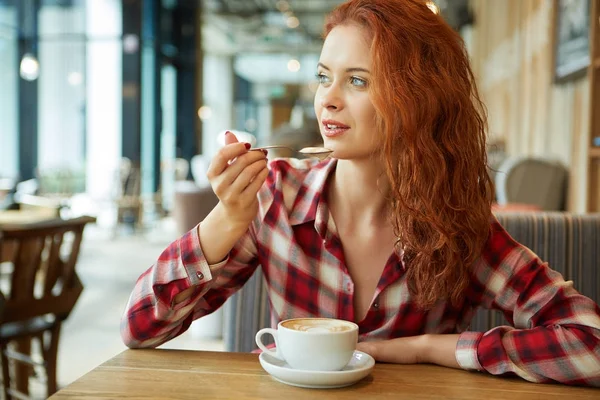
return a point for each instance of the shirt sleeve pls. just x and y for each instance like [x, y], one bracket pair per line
[555, 332]
[152, 318]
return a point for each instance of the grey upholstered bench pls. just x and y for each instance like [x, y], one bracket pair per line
[570, 244]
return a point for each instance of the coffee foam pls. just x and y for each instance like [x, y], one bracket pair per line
[317, 325]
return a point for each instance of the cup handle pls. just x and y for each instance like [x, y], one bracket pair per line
[275, 353]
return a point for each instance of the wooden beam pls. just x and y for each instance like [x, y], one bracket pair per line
[593, 186]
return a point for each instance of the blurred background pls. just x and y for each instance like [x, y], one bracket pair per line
[113, 108]
[89, 88]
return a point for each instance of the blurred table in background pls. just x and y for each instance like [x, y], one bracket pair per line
[26, 216]
[19, 218]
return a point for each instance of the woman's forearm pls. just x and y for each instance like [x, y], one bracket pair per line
[218, 234]
[430, 349]
[440, 350]
[217, 237]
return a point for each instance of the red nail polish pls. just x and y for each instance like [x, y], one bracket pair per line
[227, 133]
[265, 151]
[248, 145]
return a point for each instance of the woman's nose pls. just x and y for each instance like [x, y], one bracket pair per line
[331, 100]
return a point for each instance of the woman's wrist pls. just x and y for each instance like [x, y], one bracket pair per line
[224, 221]
[424, 349]
[218, 234]
[438, 349]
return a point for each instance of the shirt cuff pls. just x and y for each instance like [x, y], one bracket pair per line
[193, 260]
[198, 269]
[466, 350]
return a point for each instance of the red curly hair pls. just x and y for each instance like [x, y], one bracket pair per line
[434, 128]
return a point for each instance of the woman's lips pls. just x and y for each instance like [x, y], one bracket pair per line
[334, 128]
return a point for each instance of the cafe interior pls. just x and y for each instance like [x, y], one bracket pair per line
[111, 111]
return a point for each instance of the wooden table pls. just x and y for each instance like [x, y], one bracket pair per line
[27, 216]
[184, 374]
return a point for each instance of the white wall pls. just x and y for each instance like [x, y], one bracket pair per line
[61, 100]
[8, 94]
[168, 135]
[104, 64]
[218, 95]
[261, 93]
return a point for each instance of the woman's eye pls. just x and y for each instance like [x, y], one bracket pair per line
[322, 78]
[359, 82]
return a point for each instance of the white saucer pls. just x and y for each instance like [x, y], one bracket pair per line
[359, 367]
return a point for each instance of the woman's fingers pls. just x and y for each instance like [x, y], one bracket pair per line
[221, 160]
[254, 186]
[230, 138]
[241, 163]
[233, 168]
[236, 176]
[246, 176]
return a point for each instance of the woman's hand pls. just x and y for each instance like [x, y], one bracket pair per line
[406, 350]
[236, 176]
[433, 349]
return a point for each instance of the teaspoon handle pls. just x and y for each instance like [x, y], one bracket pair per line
[271, 147]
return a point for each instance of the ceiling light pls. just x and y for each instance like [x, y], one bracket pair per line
[283, 5]
[292, 22]
[204, 113]
[29, 68]
[293, 65]
[433, 7]
[131, 43]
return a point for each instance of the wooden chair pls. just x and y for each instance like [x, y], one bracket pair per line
[43, 289]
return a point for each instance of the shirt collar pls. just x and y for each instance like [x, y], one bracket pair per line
[310, 204]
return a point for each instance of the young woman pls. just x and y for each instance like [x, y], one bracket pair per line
[394, 231]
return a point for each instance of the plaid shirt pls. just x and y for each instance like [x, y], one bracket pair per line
[556, 333]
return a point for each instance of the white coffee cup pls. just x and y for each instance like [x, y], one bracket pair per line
[316, 344]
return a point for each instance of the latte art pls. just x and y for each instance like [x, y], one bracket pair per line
[318, 325]
[312, 328]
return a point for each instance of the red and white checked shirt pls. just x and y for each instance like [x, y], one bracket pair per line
[293, 238]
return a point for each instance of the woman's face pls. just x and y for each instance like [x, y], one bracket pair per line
[342, 103]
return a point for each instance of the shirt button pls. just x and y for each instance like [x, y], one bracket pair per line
[376, 306]
[200, 275]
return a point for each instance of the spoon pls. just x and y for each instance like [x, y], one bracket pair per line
[315, 152]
